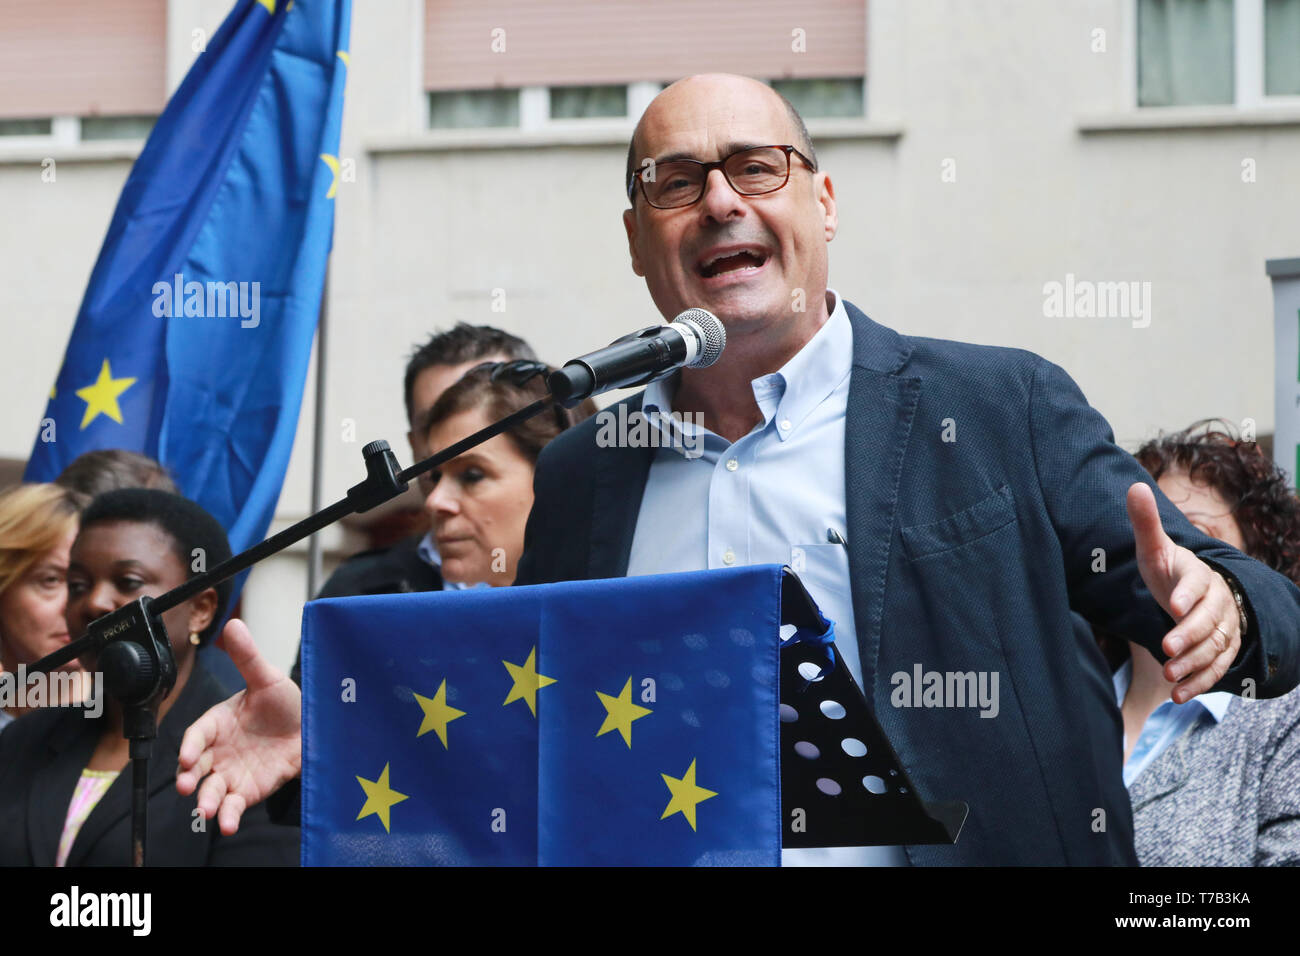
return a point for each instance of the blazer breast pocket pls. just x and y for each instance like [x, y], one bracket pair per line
[970, 524]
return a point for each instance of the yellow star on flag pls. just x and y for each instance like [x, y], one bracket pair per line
[380, 797]
[101, 398]
[620, 712]
[333, 163]
[527, 681]
[686, 795]
[437, 713]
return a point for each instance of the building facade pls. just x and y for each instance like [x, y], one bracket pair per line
[1099, 181]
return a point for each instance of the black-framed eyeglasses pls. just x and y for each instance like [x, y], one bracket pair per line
[751, 171]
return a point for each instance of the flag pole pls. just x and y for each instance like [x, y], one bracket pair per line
[318, 435]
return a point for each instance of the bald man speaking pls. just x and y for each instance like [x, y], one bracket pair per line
[947, 503]
[950, 507]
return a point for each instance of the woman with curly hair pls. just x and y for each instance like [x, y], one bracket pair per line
[1215, 781]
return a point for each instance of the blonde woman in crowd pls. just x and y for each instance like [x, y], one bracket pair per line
[37, 526]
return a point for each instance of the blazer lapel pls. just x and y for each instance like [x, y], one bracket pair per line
[620, 479]
[878, 423]
[113, 806]
[72, 741]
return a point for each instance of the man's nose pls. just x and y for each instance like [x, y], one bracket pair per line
[720, 201]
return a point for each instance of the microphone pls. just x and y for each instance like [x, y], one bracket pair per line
[694, 339]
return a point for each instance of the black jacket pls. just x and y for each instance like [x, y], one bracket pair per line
[395, 570]
[42, 755]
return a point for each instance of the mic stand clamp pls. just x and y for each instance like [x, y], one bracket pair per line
[139, 671]
[383, 478]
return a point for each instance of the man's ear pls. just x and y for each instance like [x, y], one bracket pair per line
[629, 223]
[203, 608]
[826, 199]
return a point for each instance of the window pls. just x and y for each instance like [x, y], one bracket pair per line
[26, 127]
[1208, 52]
[82, 58]
[1282, 47]
[537, 107]
[473, 109]
[116, 127]
[1185, 52]
[594, 65]
[842, 97]
[81, 70]
[588, 102]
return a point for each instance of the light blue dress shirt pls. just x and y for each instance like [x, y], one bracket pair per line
[1166, 724]
[770, 498]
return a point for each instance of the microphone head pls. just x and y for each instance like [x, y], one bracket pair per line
[709, 333]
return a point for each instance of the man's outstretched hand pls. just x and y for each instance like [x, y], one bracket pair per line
[1207, 637]
[247, 746]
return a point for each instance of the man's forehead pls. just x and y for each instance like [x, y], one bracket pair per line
[698, 124]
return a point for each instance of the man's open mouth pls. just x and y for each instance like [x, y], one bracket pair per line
[731, 262]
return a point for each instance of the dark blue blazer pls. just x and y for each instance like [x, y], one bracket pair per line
[969, 555]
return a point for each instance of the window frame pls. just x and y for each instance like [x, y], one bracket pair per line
[535, 111]
[65, 132]
[1247, 61]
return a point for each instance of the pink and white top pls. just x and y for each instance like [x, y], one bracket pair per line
[90, 789]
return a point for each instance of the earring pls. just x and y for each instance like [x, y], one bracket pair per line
[194, 638]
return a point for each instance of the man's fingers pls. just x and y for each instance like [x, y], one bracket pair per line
[187, 780]
[1192, 586]
[1205, 680]
[1148, 533]
[1210, 608]
[211, 794]
[237, 641]
[232, 808]
[1201, 645]
[197, 739]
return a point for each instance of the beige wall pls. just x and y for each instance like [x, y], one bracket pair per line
[1048, 182]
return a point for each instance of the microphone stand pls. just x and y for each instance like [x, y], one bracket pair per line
[135, 655]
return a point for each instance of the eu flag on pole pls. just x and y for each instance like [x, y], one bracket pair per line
[194, 334]
[621, 721]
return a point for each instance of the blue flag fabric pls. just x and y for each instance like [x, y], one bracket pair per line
[621, 721]
[194, 334]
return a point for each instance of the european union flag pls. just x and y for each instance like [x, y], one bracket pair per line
[193, 337]
[621, 721]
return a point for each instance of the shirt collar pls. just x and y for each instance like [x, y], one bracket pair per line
[814, 372]
[803, 383]
[428, 551]
[1215, 703]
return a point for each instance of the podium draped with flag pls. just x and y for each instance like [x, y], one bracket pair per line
[194, 334]
[623, 721]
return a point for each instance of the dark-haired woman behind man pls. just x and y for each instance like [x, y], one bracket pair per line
[1215, 781]
[65, 785]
